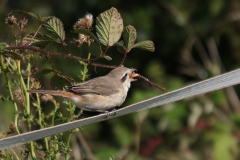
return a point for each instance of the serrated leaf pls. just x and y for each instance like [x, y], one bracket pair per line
[55, 27]
[109, 27]
[40, 40]
[11, 54]
[34, 15]
[43, 72]
[59, 82]
[129, 36]
[144, 45]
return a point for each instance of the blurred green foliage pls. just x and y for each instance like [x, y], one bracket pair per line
[194, 40]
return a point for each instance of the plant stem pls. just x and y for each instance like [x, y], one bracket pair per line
[14, 102]
[85, 68]
[11, 95]
[27, 102]
[40, 120]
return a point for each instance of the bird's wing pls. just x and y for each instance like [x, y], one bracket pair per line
[100, 86]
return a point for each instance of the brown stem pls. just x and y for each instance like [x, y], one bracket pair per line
[60, 55]
[65, 48]
[125, 55]
[57, 72]
[151, 83]
[35, 33]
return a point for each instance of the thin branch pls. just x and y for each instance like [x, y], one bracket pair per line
[60, 55]
[57, 72]
[125, 55]
[65, 48]
[151, 83]
[35, 33]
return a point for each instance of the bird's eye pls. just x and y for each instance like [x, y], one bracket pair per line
[124, 78]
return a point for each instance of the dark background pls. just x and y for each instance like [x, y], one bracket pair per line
[194, 40]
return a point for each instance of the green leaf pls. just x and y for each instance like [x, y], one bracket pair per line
[94, 49]
[59, 82]
[107, 57]
[3, 45]
[4, 99]
[11, 54]
[40, 40]
[109, 26]
[43, 72]
[129, 36]
[55, 28]
[34, 15]
[120, 44]
[144, 45]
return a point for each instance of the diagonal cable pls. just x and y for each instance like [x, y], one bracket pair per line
[215, 83]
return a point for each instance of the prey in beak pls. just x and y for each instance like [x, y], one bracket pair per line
[132, 75]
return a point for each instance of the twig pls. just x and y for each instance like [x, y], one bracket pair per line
[60, 55]
[14, 153]
[151, 83]
[57, 72]
[35, 33]
[125, 55]
[85, 146]
[65, 48]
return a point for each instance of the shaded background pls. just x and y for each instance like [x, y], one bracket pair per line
[194, 40]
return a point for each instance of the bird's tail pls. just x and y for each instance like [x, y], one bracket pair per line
[53, 92]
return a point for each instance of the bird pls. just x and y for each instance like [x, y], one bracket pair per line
[98, 94]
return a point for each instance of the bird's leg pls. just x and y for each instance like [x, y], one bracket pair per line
[114, 111]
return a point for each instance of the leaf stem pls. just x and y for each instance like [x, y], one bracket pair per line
[125, 55]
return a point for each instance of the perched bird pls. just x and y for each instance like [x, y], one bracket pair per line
[99, 94]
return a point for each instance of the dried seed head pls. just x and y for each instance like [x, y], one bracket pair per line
[12, 127]
[83, 37]
[84, 23]
[88, 20]
[11, 20]
[47, 97]
[17, 94]
[34, 70]
[22, 25]
[24, 41]
[80, 24]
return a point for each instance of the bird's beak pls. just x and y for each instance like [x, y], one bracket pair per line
[132, 75]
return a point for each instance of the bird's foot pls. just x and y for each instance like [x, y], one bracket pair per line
[108, 113]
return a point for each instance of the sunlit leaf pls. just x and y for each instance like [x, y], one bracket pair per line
[144, 45]
[129, 36]
[109, 26]
[55, 27]
[40, 40]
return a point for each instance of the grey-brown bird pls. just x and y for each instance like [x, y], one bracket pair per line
[99, 94]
